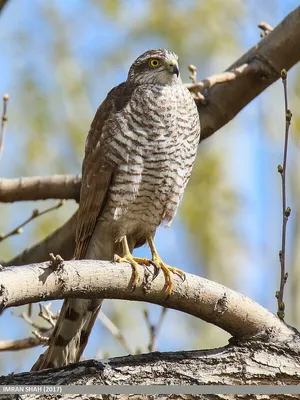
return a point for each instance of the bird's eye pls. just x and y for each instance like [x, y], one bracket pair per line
[154, 63]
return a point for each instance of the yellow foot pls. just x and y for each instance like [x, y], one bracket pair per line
[134, 262]
[167, 269]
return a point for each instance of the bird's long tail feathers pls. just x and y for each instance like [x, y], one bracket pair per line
[77, 316]
[71, 333]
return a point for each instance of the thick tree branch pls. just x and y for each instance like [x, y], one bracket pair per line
[248, 363]
[278, 50]
[40, 188]
[214, 303]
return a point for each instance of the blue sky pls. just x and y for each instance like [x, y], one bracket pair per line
[252, 156]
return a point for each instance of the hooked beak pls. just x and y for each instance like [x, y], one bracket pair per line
[173, 67]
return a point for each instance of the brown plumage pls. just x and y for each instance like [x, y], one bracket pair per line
[138, 158]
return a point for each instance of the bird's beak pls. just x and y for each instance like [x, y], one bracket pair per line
[173, 67]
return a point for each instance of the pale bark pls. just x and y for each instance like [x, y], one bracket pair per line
[40, 188]
[213, 303]
[247, 363]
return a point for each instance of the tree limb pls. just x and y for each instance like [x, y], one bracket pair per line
[40, 188]
[254, 363]
[213, 303]
[276, 51]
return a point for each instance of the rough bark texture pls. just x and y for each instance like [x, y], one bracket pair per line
[245, 363]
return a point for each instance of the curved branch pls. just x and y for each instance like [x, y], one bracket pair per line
[214, 303]
[40, 188]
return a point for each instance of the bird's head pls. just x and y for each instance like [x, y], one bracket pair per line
[158, 66]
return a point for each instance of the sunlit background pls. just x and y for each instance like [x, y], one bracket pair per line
[58, 60]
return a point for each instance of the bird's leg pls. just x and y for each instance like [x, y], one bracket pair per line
[167, 269]
[133, 261]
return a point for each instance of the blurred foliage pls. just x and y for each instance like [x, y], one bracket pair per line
[65, 58]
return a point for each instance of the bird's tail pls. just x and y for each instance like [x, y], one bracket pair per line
[71, 332]
[77, 316]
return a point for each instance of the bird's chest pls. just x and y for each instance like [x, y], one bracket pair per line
[160, 140]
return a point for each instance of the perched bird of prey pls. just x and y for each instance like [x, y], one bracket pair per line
[139, 155]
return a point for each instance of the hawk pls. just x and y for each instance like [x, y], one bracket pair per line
[139, 155]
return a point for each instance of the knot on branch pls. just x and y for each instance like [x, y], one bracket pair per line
[57, 264]
[221, 306]
[3, 297]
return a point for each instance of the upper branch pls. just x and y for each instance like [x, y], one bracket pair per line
[40, 188]
[214, 303]
[253, 72]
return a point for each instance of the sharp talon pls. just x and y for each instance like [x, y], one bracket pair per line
[157, 269]
[183, 277]
[133, 287]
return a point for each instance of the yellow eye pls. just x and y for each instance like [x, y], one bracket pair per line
[154, 63]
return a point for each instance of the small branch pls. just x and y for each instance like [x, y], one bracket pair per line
[115, 331]
[193, 78]
[46, 314]
[35, 214]
[3, 119]
[29, 321]
[154, 329]
[204, 299]
[27, 343]
[224, 77]
[266, 28]
[286, 211]
[40, 188]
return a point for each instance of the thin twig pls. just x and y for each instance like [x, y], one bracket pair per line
[3, 122]
[193, 78]
[114, 330]
[43, 338]
[266, 28]
[226, 76]
[32, 323]
[154, 329]
[36, 213]
[286, 211]
[27, 343]
[46, 314]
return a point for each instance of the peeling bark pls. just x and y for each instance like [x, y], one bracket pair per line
[255, 362]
